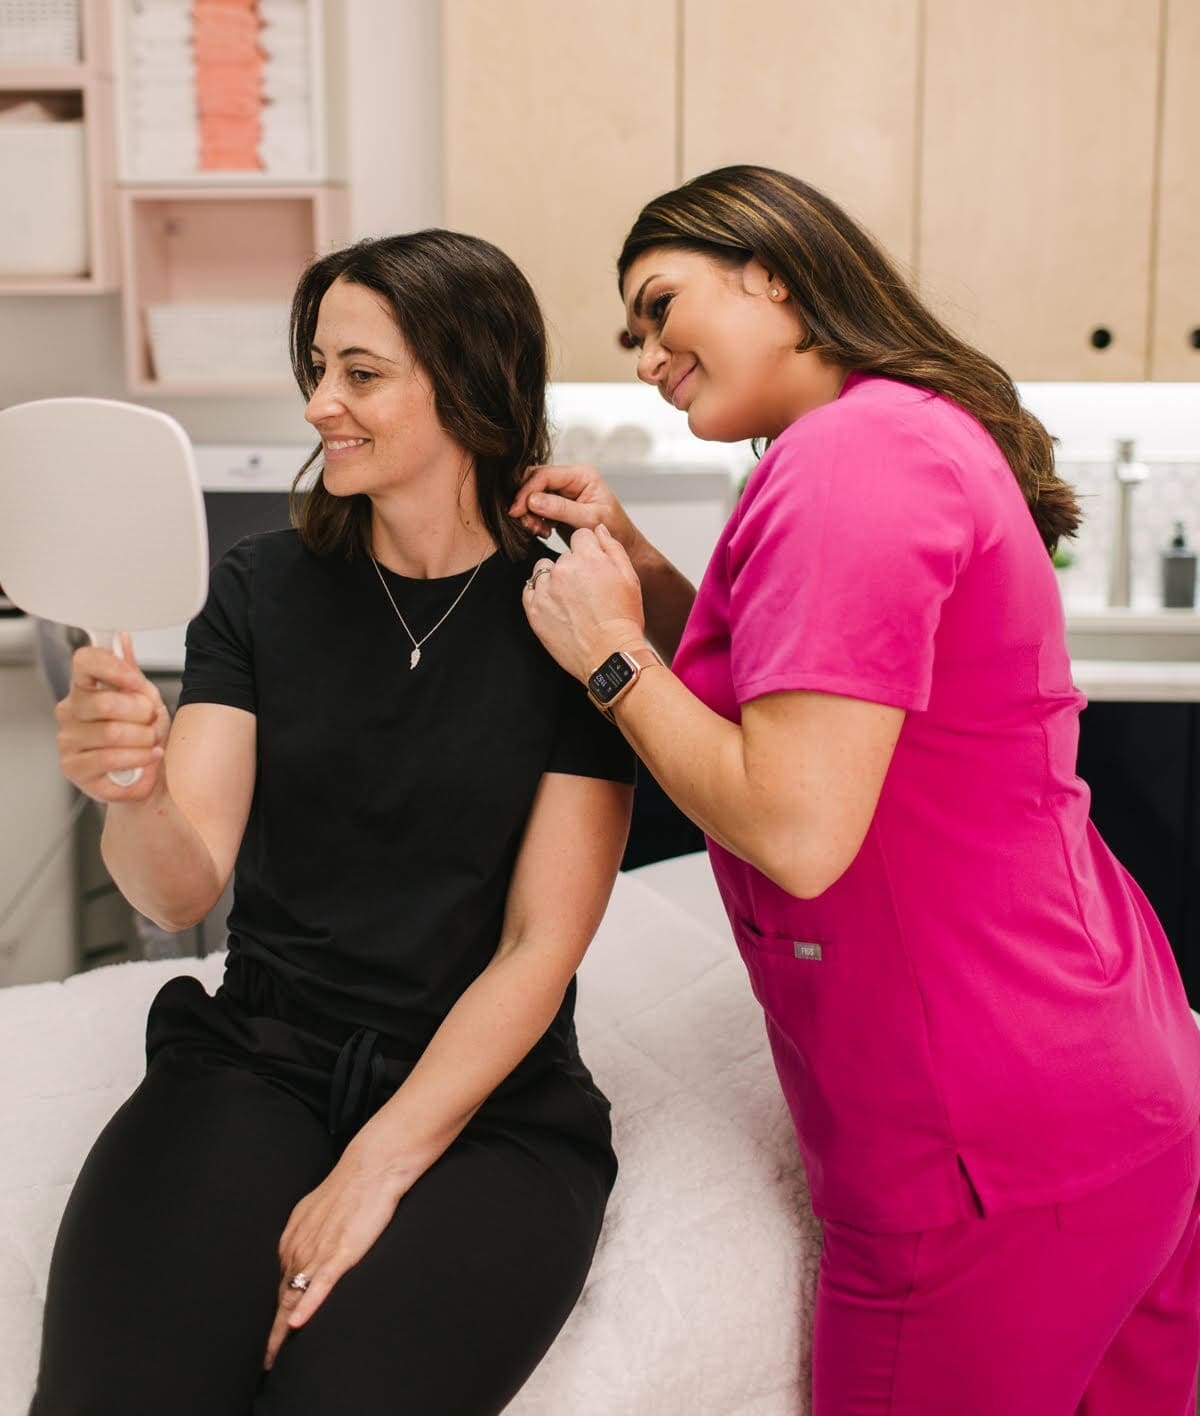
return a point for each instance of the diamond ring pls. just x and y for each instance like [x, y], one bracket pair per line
[300, 1281]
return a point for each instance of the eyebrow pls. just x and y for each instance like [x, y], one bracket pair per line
[637, 299]
[354, 349]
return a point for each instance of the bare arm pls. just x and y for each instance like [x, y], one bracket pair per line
[172, 854]
[791, 789]
[559, 891]
[171, 839]
[563, 499]
[564, 875]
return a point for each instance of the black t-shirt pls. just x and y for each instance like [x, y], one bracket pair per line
[389, 802]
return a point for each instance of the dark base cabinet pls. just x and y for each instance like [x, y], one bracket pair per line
[1142, 764]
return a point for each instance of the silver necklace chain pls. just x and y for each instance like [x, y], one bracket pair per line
[415, 657]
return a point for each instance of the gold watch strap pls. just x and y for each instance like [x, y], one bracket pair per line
[644, 657]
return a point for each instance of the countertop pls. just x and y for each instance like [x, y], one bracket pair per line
[1102, 679]
[1137, 680]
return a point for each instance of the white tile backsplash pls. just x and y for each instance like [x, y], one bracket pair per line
[1163, 420]
[1170, 493]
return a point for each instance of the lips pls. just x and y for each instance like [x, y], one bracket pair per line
[336, 445]
[674, 387]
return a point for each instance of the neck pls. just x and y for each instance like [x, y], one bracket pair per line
[818, 383]
[429, 537]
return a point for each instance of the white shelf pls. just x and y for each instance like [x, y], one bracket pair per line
[90, 79]
[324, 128]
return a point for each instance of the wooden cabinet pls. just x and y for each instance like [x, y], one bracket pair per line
[1032, 164]
[560, 123]
[825, 92]
[1037, 180]
[1175, 328]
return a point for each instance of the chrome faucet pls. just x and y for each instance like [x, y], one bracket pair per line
[1128, 474]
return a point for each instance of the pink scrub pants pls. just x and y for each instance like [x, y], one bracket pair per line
[1083, 1309]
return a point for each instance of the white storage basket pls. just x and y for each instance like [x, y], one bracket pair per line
[39, 32]
[227, 341]
[46, 232]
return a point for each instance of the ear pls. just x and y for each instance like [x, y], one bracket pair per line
[758, 280]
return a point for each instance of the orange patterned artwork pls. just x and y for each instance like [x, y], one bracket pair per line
[229, 83]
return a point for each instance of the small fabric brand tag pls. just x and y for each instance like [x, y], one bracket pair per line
[807, 951]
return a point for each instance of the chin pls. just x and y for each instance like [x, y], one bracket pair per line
[343, 483]
[712, 427]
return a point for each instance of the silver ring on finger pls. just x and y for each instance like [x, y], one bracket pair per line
[533, 579]
[300, 1281]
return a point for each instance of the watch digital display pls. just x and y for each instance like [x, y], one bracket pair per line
[612, 676]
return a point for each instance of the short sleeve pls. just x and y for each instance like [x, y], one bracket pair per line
[219, 662]
[850, 539]
[586, 744]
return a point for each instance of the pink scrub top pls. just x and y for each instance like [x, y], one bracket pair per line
[985, 995]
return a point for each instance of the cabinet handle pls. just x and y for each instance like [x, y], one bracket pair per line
[1100, 337]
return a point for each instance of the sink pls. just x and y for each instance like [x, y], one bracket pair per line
[1158, 636]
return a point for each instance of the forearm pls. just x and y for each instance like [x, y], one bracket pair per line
[484, 1036]
[667, 597]
[701, 761]
[159, 861]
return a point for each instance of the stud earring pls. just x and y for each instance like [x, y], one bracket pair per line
[774, 292]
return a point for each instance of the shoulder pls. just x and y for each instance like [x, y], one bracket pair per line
[880, 438]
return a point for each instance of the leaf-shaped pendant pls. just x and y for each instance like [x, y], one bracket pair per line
[414, 658]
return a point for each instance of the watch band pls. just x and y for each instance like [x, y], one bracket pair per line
[635, 660]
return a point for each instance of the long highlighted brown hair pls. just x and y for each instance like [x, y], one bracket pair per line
[472, 321]
[855, 306]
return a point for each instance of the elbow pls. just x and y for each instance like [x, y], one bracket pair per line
[800, 884]
[802, 874]
[176, 922]
[179, 914]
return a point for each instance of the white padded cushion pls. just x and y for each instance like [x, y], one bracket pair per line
[699, 1298]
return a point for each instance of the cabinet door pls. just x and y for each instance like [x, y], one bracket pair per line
[1037, 170]
[1175, 350]
[1140, 761]
[560, 125]
[825, 92]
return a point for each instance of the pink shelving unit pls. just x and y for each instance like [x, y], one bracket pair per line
[204, 254]
[87, 83]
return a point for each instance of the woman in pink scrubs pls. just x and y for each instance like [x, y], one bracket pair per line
[975, 1016]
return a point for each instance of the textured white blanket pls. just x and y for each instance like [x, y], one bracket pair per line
[698, 1301]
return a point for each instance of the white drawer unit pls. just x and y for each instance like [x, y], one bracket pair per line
[37, 939]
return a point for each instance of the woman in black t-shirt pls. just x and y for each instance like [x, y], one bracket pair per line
[378, 1140]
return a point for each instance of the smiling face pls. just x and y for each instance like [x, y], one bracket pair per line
[373, 404]
[719, 343]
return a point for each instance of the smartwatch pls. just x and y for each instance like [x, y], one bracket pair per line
[617, 675]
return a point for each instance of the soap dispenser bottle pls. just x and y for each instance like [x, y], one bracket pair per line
[1179, 572]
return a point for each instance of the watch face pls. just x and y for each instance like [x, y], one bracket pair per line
[611, 677]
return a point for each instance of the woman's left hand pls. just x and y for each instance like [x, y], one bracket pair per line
[328, 1233]
[587, 604]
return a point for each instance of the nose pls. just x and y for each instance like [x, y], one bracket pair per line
[652, 362]
[323, 402]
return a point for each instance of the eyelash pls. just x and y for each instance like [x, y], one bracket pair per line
[657, 311]
[358, 376]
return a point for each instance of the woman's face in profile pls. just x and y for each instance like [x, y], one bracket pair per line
[713, 341]
[373, 404]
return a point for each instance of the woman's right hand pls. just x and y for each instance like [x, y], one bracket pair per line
[563, 499]
[112, 717]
